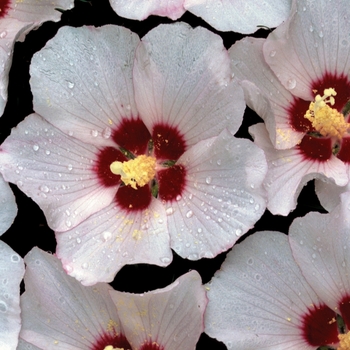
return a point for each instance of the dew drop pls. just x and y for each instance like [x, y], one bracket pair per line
[68, 223]
[85, 266]
[3, 307]
[5, 281]
[70, 84]
[250, 261]
[44, 188]
[106, 235]
[343, 264]
[258, 277]
[107, 132]
[70, 167]
[272, 53]
[47, 152]
[178, 197]
[78, 240]
[35, 148]
[94, 133]
[218, 162]
[199, 230]
[189, 214]
[238, 232]
[314, 256]
[208, 180]
[301, 242]
[3, 34]
[169, 211]
[320, 34]
[291, 84]
[68, 268]
[311, 28]
[165, 260]
[15, 258]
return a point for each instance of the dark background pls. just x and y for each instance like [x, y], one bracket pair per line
[30, 228]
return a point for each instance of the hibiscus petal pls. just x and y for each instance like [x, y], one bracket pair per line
[56, 171]
[258, 298]
[82, 81]
[57, 311]
[312, 42]
[320, 244]
[141, 9]
[171, 317]
[329, 193]
[263, 92]
[182, 78]
[38, 11]
[239, 15]
[101, 245]
[289, 171]
[222, 198]
[11, 272]
[8, 210]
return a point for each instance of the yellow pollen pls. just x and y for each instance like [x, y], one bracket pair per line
[110, 347]
[344, 341]
[325, 119]
[138, 171]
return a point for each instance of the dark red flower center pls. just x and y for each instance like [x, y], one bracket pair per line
[320, 326]
[4, 7]
[315, 145]
[344, 309]
[133, 140]
[111, 338]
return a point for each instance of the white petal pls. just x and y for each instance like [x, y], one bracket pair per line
[288, 172]
[39, 11]
[172, 316]
[100, 246]
[56, 171]
[240, 15]
[258, 297]
[182, 77]
[8, 208]
[263, 92]
[320, 245]
[11, 274]
[222, 199]
[141, 9]
[82, 81]
[310, 43]
[58, 312]
[329, 193]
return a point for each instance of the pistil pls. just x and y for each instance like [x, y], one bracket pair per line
[135, 172]
[327, 120]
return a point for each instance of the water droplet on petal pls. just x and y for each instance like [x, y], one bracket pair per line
[238, 232]
[208, 180]
[106, 235]
[272, 53]
[15, 258]
[85, 266]
[3, 34]
[3, 307]
[169, 211]
[178, 197]
[107, 132]
[250, 261]
[78, 240]
[94, 133]
[189, 214]
[311, 28]
[291, 84]
[35, 148]
[44, 188]
[165, 260]
[70, 84]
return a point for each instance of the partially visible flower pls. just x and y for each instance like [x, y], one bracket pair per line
[8, 207]
[320, 244]
[240, 15]
[259, 299]
[141, 9]
[17, 18]
[11, 274]
[59, 313]
[123, 178]
[298, 81]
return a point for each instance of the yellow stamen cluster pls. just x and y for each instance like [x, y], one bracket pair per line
[344, 341]
[325, 119]
[110, 347]
[138, 171]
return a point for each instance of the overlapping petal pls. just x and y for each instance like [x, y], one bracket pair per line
[312, 42]
[182, 77]
[58, 312]
[288, 171]
[223, 197]
[54, 170]
[171, 317]
[82, 81]
[141, 9]
[259, 298]
[100, 246]
[17, 19]
[320, 244]
[11, 274]
[239, 15]
[8, 209]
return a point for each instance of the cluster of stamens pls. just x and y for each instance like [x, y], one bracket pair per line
[326, 120]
